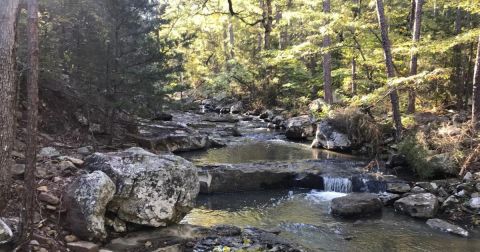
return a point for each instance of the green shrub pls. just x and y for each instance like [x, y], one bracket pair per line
[417, 156]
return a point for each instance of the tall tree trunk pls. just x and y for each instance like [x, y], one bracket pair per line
[417, 25]
[354, 76]
[32, 117]
[397, 119]
[411, 16]
[231, 36]
[8, 15]
[327, 61]
[476, 88]
[457, 61]
[267, 23]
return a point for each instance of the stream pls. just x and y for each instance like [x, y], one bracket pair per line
[302, 215]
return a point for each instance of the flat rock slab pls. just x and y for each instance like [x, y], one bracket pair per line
[170, 136]
[274, 175]
[445, 226]
[83, 246]
[356, 205]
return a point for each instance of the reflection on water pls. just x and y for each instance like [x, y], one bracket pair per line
[303, 217]
[251, 151]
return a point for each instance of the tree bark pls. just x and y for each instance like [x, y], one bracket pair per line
[354, 76]
[457, 61]
[476, 88]
[8, 14]
[417, 25]
[32, 117]
[231, 36]
[390, 68]
[267, 22]
[327, 61]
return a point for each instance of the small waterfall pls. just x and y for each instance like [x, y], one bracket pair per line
[343, 185]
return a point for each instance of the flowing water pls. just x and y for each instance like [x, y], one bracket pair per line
[303, 215]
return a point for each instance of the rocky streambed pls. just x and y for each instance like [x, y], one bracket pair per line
[256, 190]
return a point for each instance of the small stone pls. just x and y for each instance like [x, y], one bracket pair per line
[477, 187]
[447, 227]
[468, 177]
[48, 152]
[42, 250]
[118, 225]
[476, 176]
[66, 165]
[429, 186]
[461, 193]
[34, 243]
[83, 246]
[85, 151]
[17, 169]
[148, 244]
[398, 187]
[474, 203]
[49, 198]
[57, 179]
[75, 161]
[70, 238]
[42, 189]
[417, 189]
[388, 198]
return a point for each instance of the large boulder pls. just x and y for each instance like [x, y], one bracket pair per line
[327, 137]
[422, 205]
[299, 128]
[86, 201]
[445, 226]
[152, 190]
[356, 205]
[6, 233]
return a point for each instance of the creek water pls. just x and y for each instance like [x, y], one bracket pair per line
[303, 215]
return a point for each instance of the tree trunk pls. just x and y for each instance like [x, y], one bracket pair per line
[267, 22]
[8, 15]
[390, 68]
[457, 61]
[354, 76]
[417, 25]
[32, 117]
[231, 36]
[476, 88]
[327, 61]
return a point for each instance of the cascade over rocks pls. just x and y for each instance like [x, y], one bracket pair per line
[356, 205]
[327, 137]
[152, 190]
[275, 175]
[299, 128]
[86, 200]
[422, 205]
